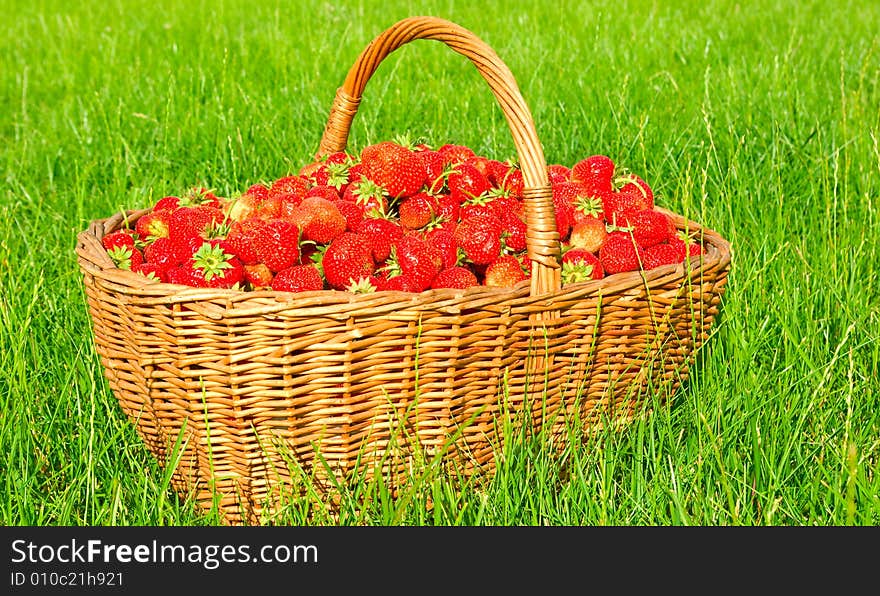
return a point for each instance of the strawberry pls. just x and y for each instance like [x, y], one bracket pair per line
[589, 234]
[347, 259]
[369, 196]
[319, 219]
[164, 253]
[200, 197]
[444, 241]
[150, 271]
[393, 167]
[121, 238]
[276, 243]
[218, 268]
[238, 242]
[380, 234]
[558, 173]
[400, 283]
[201, 221]
[352, 213]
[634, 184]
[416, 211]
[579, 265]
[466, 182]
[153, 225]
[619, 205]
[658, 255]
[259, 190]
[414, 258]
[289, 185]
[513, 232]
[434, 165]
[686, 246]
[446, 208]
[457, 277]
[455, 154]
[564, 213]
[300, 278]
[258, 276]
[650, 227]
[125, 257]
[618, 254]
[504, 272]
[480, 238]
[595, 173]
[185, 275]
[169, 202]
[324, 191]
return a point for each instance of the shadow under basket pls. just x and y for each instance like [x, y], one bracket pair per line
[246, 393]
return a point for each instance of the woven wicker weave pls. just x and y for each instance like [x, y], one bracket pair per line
[254, 385]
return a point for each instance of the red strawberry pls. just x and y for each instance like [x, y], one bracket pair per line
[276, 244]
[659, 255]
[466, 182]
[190, 222]
[579, 265]
[258, 276]
[164, 252]
[150, 271]
[558, 173]
[125, 257]
[323, 191]
[686, 246]
[393, 167]
[169, 202]
[504, 272]
[618, 254]
[480, 238]
[455, 154]
[200, 197]
[618, 206]
[289, 185]
[650, 227]
[352, 213]
[218, 268]
[446, 208]
[444, 241]
[238, 242]
[261, 191]
[634, 184]
[564, 213]
[380, 234]
[122, 238]
[416, 211]
[434, 165]
[400, 283]
[300, 278]
[369, 196]
[595, 172]
[457, 277]
[589, 234]
[319, 220]
[185, 275]
[513, 231]
[153, 225]
[347, 259]
[416, 259]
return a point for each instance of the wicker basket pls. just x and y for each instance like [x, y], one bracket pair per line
[243, 391]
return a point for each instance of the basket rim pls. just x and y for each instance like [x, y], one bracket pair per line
[94, 260]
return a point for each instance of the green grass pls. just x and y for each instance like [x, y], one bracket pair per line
[760, 120]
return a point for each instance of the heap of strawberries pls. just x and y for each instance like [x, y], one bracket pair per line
[398, 217]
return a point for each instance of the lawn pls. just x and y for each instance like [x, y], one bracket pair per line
[759, 120]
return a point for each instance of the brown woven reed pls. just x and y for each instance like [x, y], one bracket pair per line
[243, 392]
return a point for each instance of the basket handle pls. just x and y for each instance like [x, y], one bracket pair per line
[541, 236]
